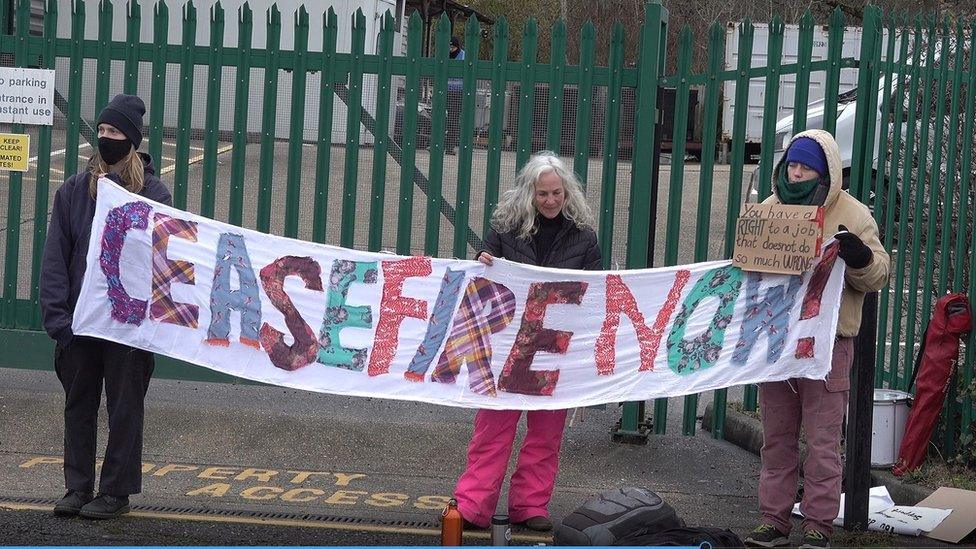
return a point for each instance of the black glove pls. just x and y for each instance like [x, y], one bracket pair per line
[853, 250]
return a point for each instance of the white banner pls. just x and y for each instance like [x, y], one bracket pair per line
[451, 332]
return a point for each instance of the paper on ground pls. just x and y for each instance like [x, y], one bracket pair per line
[885, 516]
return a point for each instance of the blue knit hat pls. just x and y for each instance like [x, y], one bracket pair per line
[808, 152]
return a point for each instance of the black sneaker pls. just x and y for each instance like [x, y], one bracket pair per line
[71, 503]
[766, 535]
[813, 539]
[106, 507]
[538, 524]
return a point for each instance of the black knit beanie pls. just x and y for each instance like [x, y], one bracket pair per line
[125, 113]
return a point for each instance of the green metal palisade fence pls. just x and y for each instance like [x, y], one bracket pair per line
[916, 171]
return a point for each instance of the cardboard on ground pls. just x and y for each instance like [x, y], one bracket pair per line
[777, 238]
[961, 521]
[14, 152]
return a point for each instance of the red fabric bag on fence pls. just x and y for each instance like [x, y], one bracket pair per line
[951, 320]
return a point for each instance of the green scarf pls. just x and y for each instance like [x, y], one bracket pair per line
[795, 192]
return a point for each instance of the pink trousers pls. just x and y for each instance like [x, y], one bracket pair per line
[819, 408]
[531, 487]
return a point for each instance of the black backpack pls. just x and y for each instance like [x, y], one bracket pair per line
[716, 538]
[615, 514]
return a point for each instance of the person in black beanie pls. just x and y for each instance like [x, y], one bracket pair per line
[82, 364]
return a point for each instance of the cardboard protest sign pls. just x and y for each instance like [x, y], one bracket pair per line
[961, 521]
[778, 238]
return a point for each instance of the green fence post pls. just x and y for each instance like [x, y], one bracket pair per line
[269, 114]
[377, 208]
[212, 115]
[296, 124]
[886, 220]
[411, 100]
[354, 110]
[734, 203]
[185, 109]
[966, 171]
[716, 49]
[133, 24]
[472, 39]
[43, 183]
[917, 184]
[557, 70]
[802, 89]
[103, 67]
[584, 103]
[435, 171]
[771, 104]
[935, 169]
[557, 67]
[75, 84]
[157, 93]
[835, 47]
[653, 42]
[526, 97]
[611, 139]
[951, 160]
[242, 93]
[496, 119]
[10, 314]
[898, 259]
[675, 194]
[774, 60]
[323, 154]
[945, 262]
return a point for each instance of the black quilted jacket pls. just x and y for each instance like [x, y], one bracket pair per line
[573, 248]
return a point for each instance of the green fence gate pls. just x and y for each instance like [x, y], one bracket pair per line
[341, 139]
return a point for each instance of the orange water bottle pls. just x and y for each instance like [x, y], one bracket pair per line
[451, 524]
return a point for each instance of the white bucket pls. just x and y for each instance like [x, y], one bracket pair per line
[888, 426]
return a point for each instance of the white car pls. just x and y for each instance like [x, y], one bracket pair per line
[843, 134]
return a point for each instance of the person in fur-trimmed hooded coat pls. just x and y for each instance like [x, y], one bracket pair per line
[810, 173]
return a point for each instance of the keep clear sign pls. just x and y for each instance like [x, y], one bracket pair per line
[26, 96]
[14, 150]
[778, 238]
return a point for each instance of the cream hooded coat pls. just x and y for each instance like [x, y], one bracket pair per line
[840, 208]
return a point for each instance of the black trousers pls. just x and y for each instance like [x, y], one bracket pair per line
[82, 367]
[453, 128]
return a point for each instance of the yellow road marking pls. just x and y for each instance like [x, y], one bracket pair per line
[12, 506]
[195, 159]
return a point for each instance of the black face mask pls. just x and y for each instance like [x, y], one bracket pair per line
[113, 150]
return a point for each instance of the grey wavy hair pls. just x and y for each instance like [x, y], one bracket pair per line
[516, 211]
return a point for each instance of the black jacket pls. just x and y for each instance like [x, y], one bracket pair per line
[573, 248]
[66, 248]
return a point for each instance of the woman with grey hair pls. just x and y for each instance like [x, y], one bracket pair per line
[542, 220]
